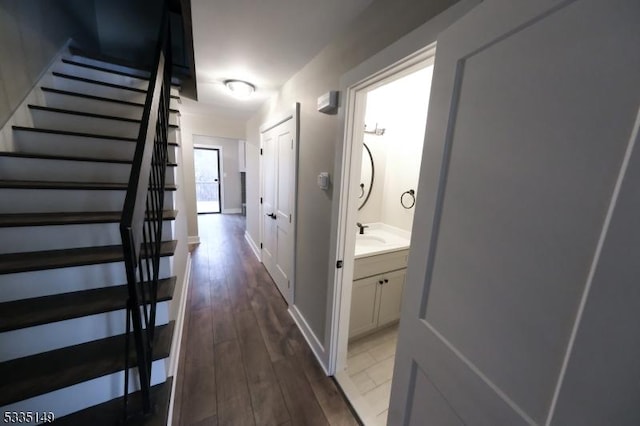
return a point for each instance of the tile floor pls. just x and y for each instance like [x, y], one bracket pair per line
[370, 367]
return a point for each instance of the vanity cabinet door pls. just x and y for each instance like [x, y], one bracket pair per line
[391, 296]
[364, 305]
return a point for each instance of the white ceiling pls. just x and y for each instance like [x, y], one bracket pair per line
[261, 41]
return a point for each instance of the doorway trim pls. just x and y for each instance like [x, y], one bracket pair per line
[220, 149]
[404, 49]
[294, 114]
[348, 209]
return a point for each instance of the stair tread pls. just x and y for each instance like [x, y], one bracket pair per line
[98, 98]
[80, 134]
[63, 258]
[61, 157]
[67, 218]
[34, 184]
[110, 413]
[68, 158]
[83, 113]
[30, 312]
[45, 372]
[117, 72]
[88, 114]
[101, 83]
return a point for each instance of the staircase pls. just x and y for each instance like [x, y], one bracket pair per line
[63, 284]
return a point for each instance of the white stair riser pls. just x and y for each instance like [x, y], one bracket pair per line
[47, 337]
[24, 285]
[67, 170]
[174, 103]
[94, 106]
[107, 77]
[37, 238]
[77, 123]
[83, 395]
[65, 200]
[108, 65]
[57, 144]
[95, 89]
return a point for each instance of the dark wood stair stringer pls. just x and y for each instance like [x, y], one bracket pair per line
[66, 218]
[45, 372]
[35, 311]
[52, 259]
[110, 413]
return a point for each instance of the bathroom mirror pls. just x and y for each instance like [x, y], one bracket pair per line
[367, 175]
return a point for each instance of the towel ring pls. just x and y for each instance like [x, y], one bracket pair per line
[412, 194]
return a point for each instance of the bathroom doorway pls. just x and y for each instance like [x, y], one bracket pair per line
[386, 121]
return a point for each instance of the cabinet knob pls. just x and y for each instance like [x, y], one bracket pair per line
[380, 282]
[386, 280]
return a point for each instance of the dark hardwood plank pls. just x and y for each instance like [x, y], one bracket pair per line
[199, 372]
[234, 401]
[23, 378]
[267, 401]
[265, 373]
[298, 395]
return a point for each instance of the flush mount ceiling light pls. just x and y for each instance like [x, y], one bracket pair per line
[239, 88]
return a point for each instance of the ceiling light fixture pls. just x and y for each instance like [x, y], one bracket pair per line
[239, 88]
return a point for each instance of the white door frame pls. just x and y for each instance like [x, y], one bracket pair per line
[351, 167]
[220, 149]
[295, 116]
[405, 53]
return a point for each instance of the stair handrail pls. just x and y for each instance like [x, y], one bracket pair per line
[142, 217]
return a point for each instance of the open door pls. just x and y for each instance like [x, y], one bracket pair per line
[521, 305]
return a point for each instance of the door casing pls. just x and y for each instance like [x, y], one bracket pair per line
[295, 116]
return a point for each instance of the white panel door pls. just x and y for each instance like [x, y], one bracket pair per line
[278, 201]
[532, 110]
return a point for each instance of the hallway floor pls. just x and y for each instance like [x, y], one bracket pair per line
[243, 360]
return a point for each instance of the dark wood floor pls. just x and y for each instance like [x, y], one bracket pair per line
[243, 360]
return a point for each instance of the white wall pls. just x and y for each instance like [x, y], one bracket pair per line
[231, 196]
[31, 34]
[199, 119]
[384, 22]
[399, 107]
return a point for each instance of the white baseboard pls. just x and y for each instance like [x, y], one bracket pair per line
[177, 337]
[253, 245]
[195, 239]
[309, 336]
[231, 211]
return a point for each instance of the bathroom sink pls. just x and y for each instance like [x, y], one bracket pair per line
[370, 240]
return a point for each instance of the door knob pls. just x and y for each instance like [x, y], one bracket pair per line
[272, 215]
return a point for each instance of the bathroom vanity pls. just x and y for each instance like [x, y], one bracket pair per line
[378, 278]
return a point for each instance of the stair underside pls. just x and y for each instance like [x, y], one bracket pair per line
[59, 307]
[51, 259]
[45, 372]
[110, 412]
[67, 218]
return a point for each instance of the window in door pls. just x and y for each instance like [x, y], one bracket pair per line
[207, 171]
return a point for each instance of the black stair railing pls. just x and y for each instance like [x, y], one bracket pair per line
[141, 222]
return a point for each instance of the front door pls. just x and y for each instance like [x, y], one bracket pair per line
[207, 176]
[278, 147]
[518, 307]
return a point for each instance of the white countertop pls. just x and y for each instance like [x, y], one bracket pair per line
[381, 238]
